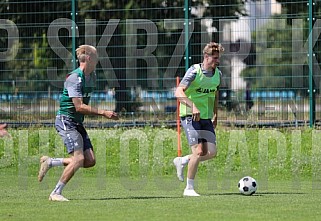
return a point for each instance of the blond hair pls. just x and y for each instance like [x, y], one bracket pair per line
[84, 50]
[213, 47]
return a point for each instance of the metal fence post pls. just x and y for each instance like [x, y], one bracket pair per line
[74, 12]
[310, 55]
[187, 12]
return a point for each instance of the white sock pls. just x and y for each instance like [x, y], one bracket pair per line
[190, 184]
[59, 187]
[55, 162]
[185, 160]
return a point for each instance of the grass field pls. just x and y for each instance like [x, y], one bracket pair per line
[115, 202]
[143, 188]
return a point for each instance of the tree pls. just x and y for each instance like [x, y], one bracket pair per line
[274, 56]
[34, 18]
[293, 8]
[156, 11]
[268, 72]
[34, 57]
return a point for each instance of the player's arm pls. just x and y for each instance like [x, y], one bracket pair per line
[89, 110]
[73, 84]
[181, 96]
[214, 120]
[3, 131]
[217, 96]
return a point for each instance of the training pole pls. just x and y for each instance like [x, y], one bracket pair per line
[178, 124]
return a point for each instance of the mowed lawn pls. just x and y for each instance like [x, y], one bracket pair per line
[134, 178]
[113, 199]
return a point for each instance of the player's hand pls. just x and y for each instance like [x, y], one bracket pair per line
[196, 115]
[214, 122]
[111, 115]
[3, 131]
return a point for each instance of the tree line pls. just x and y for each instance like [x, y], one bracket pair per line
[28, 71]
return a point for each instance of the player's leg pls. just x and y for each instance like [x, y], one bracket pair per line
[74, 143]
[180, 163]
[77, 161]
[89, 155]
[205, 149]
[62, 125]
[196, 158]
[191, 130]
[47, 162]
[209, 140]
[90, 160]
[192, 170]
[194, 161]
[211, 151]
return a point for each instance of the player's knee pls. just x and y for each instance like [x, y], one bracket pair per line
[196, 157]
[212, 153]
[79, 160]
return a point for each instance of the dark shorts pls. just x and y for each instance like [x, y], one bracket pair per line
[73, 134]
[198, 131]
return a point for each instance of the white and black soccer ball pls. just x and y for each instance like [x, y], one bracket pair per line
[247, 185]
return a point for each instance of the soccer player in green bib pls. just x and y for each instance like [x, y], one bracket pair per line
[198, 96]
[74, 104]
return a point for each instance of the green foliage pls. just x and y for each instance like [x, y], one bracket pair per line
[148, 152]
[294, 8]
[29, 68]
[34, 19]
[274, 55]
[280, 69]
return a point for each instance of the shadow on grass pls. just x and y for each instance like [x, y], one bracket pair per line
[260, 194]
[132, 197]
[280, 193]
[256, 194]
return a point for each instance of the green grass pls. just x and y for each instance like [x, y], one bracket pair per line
[142, 185]
[116, 202]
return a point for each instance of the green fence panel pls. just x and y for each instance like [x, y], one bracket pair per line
[272, 54]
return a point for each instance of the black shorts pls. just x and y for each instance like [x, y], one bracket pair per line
[73, 134]
[198, 131]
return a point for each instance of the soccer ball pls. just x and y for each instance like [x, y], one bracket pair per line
[247, 186]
